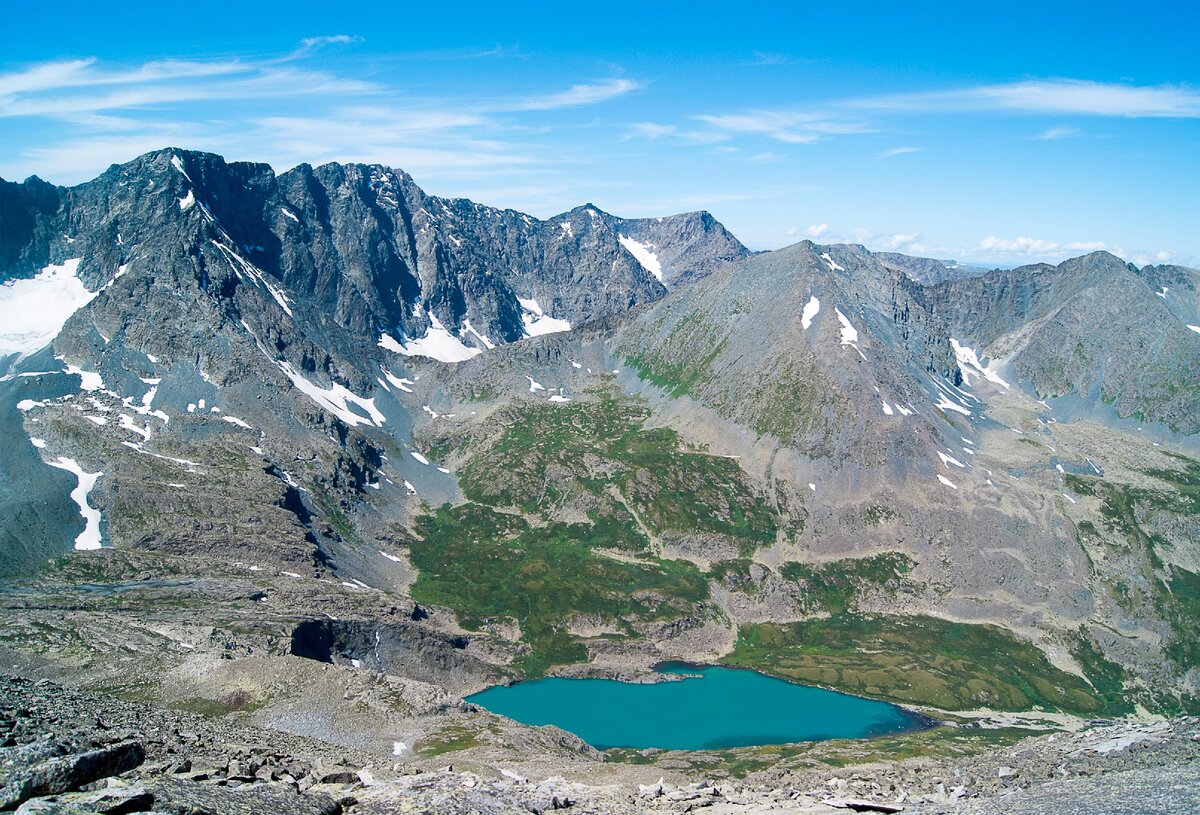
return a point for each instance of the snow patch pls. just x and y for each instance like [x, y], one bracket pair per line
[89, 538]
[38, 443]
[558, 397]
[641, 251]
[948, 460]
[568, 229]
[288, 213]
[538, 322]
[534, 385]
[887, 409]
[187, 202]
[399, 382]
[33, 311]
[438, 343]
[849, 332]
[235, 420]
[178, 165]
[419, 457]
[470, 329]
[336, 400]
[88, 380]
[947, 481]
[392, 558]
[1195, 328]
[969, 364]
[127, 423]
[833, 264]
[811, 309]
[241, 265]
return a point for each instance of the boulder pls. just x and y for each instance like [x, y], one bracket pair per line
[69, 772]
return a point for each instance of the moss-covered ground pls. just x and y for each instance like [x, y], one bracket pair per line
[920, 660]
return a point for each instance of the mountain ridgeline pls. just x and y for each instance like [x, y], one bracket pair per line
[326, 401]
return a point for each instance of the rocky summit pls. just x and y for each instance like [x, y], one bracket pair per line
[294, 463]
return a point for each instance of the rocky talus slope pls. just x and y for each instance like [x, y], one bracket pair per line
[69, 752]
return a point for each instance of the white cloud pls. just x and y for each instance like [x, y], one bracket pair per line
[578, 95]
[1076, 96]
[899, 151]
[900, 240]
[1036, 246]
[312, 43]
[1059, 133]
[817, 230]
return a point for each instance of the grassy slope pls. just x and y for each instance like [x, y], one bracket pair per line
[919, 660]
[503, 555]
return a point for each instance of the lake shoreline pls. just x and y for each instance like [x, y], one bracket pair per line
[732, 707]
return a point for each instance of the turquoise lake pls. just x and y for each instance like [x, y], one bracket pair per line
[711, 708]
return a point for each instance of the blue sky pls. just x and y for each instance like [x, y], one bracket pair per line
[991, 133]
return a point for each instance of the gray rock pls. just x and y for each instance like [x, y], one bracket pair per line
[70, 772]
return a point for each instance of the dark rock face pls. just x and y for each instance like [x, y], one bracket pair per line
[361, 245]
[405, 650]
[26, 213]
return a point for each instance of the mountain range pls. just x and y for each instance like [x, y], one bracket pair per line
[325, 414]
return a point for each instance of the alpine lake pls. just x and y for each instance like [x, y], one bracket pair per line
[710, 707]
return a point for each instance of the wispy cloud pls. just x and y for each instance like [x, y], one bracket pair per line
[278, 109]
[790, 127]
[1058, 96]
[588, 94]
[770, 58]
[899, 151]
[650, 130]
[1059, 133]
[257, 83]
[308, 45]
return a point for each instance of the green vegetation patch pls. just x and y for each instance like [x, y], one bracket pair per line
[917, 660]
[447, 740]
[682, 362]
[835, 587]
[490, 566]
[598, 450]
[1126, 510]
